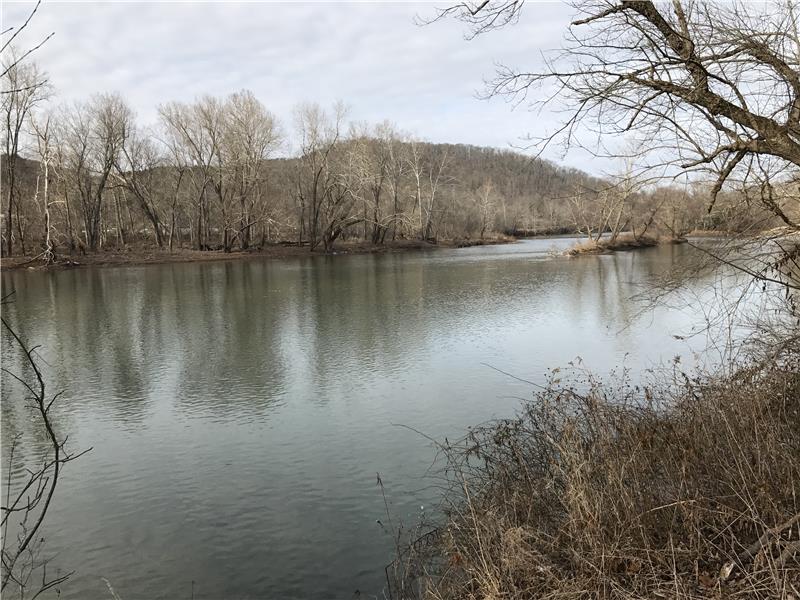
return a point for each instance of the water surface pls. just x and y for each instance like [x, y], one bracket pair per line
[239, 411]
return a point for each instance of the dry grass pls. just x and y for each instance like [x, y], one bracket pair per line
[488, 240]
[625, 241]
[585, 247]
[687, 490]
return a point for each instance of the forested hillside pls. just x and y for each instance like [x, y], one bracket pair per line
[219, 174]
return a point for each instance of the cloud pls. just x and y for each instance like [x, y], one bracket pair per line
[371, 55]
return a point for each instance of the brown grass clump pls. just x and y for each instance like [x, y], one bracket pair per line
[685, 491]
[628, 241]
[585, 247]
[624, 241]
[488, 240]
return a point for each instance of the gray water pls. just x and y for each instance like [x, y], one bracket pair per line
[239, 411]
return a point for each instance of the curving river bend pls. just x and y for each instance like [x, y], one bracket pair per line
[239, 411]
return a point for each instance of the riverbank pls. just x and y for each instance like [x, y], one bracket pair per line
[623, 242]
[145, 256]
[650, 492]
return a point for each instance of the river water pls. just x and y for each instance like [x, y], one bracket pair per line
[239, 411]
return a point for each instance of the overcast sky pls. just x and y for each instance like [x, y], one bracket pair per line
[371, 55]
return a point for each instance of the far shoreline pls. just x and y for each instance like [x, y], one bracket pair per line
[138, 257]
[134, 257]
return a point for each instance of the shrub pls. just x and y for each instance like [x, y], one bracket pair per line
[688, 489]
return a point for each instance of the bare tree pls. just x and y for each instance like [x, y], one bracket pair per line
[340, 203]
[176, 175]
[325, 176]
[711, 87]
[380, 173]
[137, 167]
[427, 169]
[24, 87]
[209, 119]
[6, 46]
[45, 154]
[93, 135]
[318, 139]
[26, 501]
[251, 136]
[486, 204]
[398, 169]
[194, 147]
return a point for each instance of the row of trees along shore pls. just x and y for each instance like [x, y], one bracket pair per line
[221, 174]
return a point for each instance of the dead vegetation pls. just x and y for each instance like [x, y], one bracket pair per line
[621, 242]
[683, 490]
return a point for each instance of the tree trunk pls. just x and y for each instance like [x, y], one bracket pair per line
[10, 207]
[70, 232]
[120, 229]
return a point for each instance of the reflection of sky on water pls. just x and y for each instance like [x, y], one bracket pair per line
[240, 410]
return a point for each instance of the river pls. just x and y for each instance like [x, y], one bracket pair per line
[239, 411]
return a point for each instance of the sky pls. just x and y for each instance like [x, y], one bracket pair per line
[371, 55]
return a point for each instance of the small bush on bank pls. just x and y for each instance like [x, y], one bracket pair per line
[584, 247]
[689, 490]
[624, 241]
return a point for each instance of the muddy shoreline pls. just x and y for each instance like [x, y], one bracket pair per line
[144, 256]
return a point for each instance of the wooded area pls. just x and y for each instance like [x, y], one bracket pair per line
[220, 174]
